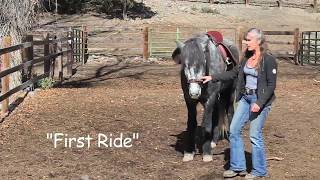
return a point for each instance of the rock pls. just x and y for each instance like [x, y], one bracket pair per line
[32, 93]
[84, 177]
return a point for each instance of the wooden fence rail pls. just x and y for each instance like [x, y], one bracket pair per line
[52, 67]
[273, 3]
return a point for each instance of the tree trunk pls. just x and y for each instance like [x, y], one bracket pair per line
[124, 13]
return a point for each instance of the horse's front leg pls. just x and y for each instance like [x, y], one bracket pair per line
[208, 110]
[207, 124]
[189, 149]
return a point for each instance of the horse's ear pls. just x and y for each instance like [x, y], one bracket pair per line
[176, 55]
[180, 44]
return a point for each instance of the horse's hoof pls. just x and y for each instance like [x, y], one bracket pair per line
[213, 144]
[207, 158]
[188, 157]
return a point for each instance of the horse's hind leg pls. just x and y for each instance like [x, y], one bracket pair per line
[206, 147]
[189, 149]
[218, 122]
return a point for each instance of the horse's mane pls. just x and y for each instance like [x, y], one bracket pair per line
[194, 49]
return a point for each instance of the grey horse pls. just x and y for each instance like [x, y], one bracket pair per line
[200, 56]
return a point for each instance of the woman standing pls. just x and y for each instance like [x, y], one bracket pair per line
[257, 74]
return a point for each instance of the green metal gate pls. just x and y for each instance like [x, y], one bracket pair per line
[310, 48]
[161, 40]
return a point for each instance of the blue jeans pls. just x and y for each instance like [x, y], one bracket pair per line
[237, 156]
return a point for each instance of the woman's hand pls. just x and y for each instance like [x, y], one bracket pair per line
[255, 108]
[206, 79]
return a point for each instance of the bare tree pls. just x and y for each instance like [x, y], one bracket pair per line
[125, 5]
[124, 9]
[16, 18]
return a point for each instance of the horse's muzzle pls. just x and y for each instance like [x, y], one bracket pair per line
[194, 90]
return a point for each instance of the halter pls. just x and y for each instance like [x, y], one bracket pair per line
[198, 81]
[195, 81]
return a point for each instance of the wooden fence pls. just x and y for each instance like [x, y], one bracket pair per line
[281, 44]
[115, 40]
[271, 3]
[57, 58]
[160, 41]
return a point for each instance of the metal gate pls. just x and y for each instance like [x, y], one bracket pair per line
[161, 39]
[310, 48]
[80, 44]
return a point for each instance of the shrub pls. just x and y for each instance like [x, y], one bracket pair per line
[46, 83]
[209, 10]
[194, 8]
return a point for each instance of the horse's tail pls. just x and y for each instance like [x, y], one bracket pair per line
[229, 110]
[224, 127]
[221, 127]
[226, 114]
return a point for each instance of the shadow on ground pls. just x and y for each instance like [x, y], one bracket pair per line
[108, 72]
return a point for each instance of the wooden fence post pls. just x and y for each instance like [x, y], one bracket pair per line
[74, 42]
[70, 53]
[53, 64]
[59, 63]
[82, 45]
[46, 52]
[240, 39]
[247, 2]
[296, 45]
[85, 44]
[315, 5]
[146, 43]
[5, 80]
[279, 2]
[27, 56]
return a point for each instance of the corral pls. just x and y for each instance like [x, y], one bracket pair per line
[119, 91]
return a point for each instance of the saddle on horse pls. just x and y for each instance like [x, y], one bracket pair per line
[225, 49]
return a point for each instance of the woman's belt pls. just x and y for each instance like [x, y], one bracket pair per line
[248, 91]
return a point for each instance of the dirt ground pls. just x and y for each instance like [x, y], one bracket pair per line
[114, 94]
[117, 95]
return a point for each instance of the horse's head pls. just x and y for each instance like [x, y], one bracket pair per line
[192, 55]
